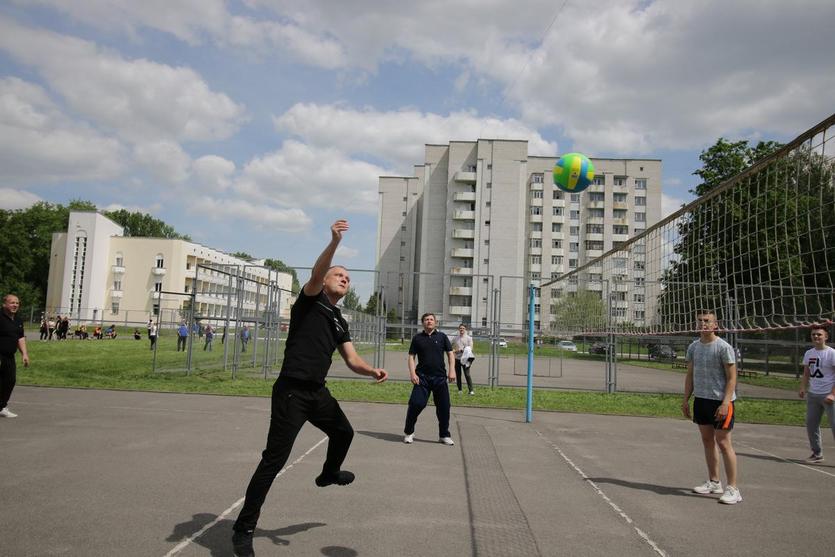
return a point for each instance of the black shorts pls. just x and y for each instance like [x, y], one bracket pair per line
[704, 413]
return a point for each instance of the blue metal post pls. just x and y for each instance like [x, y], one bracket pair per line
[529, 405]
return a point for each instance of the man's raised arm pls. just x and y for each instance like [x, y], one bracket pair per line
[323, 263]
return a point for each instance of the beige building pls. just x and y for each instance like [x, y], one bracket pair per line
[481, 220]
[97, 274]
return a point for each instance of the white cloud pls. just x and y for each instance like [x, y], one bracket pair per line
[670, 204]
[166, 161]
[255, 214]
[12, 199]
[399, 136]
[137, 99]
[300, 175]
[213, 173]
[38, 144]
[345, 252]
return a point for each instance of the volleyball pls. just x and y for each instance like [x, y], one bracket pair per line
[573, 172]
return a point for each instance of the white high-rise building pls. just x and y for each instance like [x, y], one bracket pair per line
[98, 274]
[483, 216]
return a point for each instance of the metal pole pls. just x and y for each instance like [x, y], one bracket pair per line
[257, 320]
[225, 333]
[529, 403]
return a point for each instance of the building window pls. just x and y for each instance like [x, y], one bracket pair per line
[114, 307]
[639, 314]
[556, 244]
[403, 213]
[620, 180]
[619, 262]
[620, 229]
[536, 242]
[556, 227]
[536, 259]
[157, 287]
[575, 197]
[487, 223]
[639, 265]
[619, 197]
[117, 285]
[489, 185]
[574, 247]
[594, 229]
[536, 210]
[556, 293]
[574, 215]
[572, 263]
[558, 194]
[536, 227]
[594, 244]
[537, 194]
[120, 260]
[537, 178]
[155, 309]
[640, 217]
[640, 183]
[596, 196]
[639, 281]
[599, 181]
[159, 261]
[619, 213]
[640, 200]
[556, 260]
[557, 211]
[534, 276]
[574, 231]
[596, 213]
[638, 298]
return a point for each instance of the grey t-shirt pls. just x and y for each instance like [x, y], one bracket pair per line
[709, 367]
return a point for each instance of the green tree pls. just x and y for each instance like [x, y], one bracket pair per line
[352, 300]
[373, 302]
[243, 255]
[579, 311]
[143, 225]
[280, 266]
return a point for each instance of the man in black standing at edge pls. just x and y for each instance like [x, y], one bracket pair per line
[430, 376]
[12, 339]
[300, 395]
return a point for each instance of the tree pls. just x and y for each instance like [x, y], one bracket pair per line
[144, 225]
[243, 255]
[373, 302]
[280, 266]
[352, 300]
[579, 311]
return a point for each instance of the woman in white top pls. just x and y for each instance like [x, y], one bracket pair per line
[459, 343]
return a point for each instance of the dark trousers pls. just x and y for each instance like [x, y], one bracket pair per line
[465, 370]
[181, 341]
[8, 378]
[437, 385]
[293, 404]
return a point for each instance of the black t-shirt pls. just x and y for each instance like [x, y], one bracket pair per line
[316, 329]
[431, 351]
[11, 329]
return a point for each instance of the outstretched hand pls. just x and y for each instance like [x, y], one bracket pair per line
[380, 375]
[338, 229]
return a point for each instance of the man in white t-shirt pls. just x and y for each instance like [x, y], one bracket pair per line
[711, 376]
[818, 388]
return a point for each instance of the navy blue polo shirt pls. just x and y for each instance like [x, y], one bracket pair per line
[11, 330]
[431, 351]
[316, 329]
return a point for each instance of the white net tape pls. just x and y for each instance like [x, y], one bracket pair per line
[759, 250]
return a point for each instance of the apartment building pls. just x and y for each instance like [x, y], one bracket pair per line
[481, 218]
[98, 274]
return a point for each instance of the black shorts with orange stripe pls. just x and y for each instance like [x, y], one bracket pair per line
[704, 413]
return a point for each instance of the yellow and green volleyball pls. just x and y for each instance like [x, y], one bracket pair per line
[573, 172]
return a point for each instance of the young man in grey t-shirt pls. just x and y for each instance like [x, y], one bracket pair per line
[711, 376]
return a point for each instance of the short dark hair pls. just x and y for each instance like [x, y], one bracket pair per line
[425, 315]
[819, 328]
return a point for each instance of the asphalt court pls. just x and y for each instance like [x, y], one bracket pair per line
[87, 472]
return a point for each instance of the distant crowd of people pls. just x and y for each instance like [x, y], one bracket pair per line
[59, 327]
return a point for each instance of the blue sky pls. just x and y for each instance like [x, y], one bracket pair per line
[252, 124]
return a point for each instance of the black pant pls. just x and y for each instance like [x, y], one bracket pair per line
[181, 341]
[8, 378]
[437, 385]
[466, 371]
[293, 404]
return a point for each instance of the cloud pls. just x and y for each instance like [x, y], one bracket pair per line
[139, 100]
[213, 173]
[165, 160]
[300, 175]
[38, 144]
[11, 199]
[670, 204]
[257, 214]
[346, 253]
[398, 136]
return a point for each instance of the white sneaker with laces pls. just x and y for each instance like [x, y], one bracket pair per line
[446, 441]
[409, 439]
[731, 496]
[709, 486]
[472, 392]
[6, 413]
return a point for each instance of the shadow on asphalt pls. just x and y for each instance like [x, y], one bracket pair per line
[218, 538]
[785, 460]
[659, 489]
[392, 437]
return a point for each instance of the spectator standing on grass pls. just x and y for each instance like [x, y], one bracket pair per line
[152, 334]
[223, 336]
[64, 328]
[711, 376]
[44, 330]
[430, 376]
[818, 388]
[182, 336]
[244, 337]
[462, 367]
[50, 323]
[150, 322]
[12, 339]
[210, 335]
[299, 395]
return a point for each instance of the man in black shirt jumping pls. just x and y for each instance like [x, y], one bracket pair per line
[299, 395]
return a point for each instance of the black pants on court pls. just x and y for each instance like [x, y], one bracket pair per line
[294, 403]
[461, 369]
[437, 385]
[8, 378]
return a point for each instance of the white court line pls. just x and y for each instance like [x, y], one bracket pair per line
[813, 468]
[605, 497]
[183, 544]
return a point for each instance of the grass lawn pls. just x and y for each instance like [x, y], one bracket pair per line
[127, 364]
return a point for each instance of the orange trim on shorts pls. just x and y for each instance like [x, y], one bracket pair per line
[727, 422]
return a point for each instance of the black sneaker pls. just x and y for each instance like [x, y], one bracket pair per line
[343, 477]
[242, 544]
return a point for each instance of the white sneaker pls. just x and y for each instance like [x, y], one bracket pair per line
[472, 392]
[446, 441]
[731, 496]
[709, 487]
[6, 413]
[409, 438]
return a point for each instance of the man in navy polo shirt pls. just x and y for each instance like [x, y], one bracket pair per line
[430, 376]
[317, 328]
[11, 340]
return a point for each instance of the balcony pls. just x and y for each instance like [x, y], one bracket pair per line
[596, 204]
[537, 186]
[535, 251]
[620, 205]
[623, 221]
[594, 220]
[465, 176]
[154, 294]
[536, 234]
[116, 293]
[461, 271]
[118, 270]
[536, 202]
[463, 252]
[464, 196]
[593, 253]
[460, 290]
[594, 236]
[534, 218]
[535, 268]
[460, 310]
[158, 271]
[463, 233]
[463, 215]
